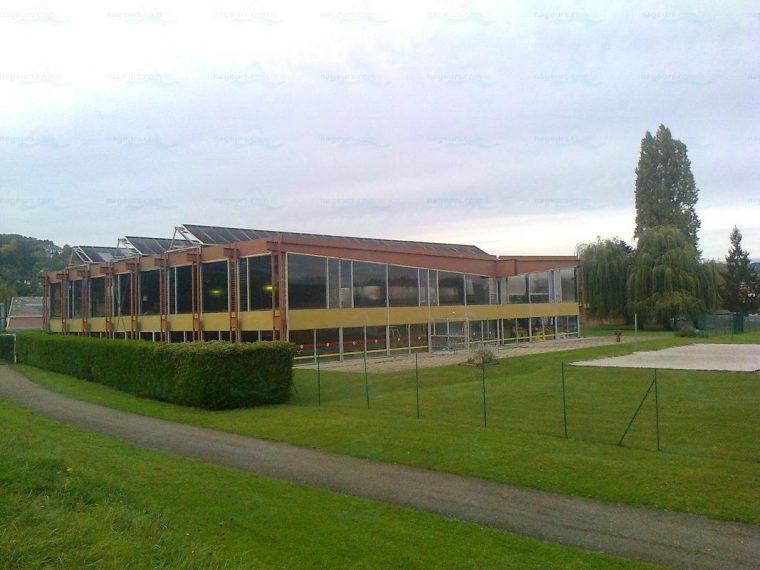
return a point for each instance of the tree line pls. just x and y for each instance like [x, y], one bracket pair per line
[21, 261]
[664, 278]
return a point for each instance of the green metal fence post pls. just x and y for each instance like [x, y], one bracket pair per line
[564, 399]
[485, 413]
[319, 384]
[657, 410]
[366, 379]
[417, 381]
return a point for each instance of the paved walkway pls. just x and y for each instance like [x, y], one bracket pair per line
[675, 539]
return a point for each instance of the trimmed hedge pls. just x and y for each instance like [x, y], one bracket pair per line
[213, 375]
[6, 347]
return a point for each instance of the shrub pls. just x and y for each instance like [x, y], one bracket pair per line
[482, 357]
[213, 375]
[691, 332]
[7, 344]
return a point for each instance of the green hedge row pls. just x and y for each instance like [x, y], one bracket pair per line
[6, 347]
[212, 375]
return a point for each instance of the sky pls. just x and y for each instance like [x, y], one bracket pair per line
[515, 126]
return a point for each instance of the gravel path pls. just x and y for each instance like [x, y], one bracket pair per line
[675, 539]
[404, 361]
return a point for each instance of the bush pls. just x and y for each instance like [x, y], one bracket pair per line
[213, 375]
[691, 332]
[7, 344]
[482, 357]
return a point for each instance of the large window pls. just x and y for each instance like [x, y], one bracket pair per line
[477, 290]
[150, 287]
[55, 300]
[333, 283]
[181, 289]
[403, 288]
[567, 285]
[433, 287]
[259, 282]
[450, 288]
[539, 287]
[369, 284]
[307, 282]
[98, 297]
[122, 295]
[214, 286]
[76, 298]
[517, 289]
[346, 279]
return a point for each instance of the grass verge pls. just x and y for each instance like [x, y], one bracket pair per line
[70, 498]
[708, 423]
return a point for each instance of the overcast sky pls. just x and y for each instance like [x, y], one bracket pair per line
[515, 126]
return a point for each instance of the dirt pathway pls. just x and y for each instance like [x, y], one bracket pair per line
[675, 539]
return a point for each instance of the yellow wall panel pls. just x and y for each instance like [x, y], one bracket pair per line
[334, 318]
[182, 322]
[215, 322]
[149, 323]
[255, 321]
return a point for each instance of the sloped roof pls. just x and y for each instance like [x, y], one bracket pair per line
[152, 245]
[215, 235]
[100, 254]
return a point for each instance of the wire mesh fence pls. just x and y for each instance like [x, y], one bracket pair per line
[712, 414]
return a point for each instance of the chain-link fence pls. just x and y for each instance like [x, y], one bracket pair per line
[710, 414]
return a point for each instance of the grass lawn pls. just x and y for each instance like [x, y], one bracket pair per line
[709, 426]
[73, 499]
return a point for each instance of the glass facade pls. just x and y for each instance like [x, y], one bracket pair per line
[450, 288]
[122, 295]
[98, 297]
[539, 287]
[307, 282]
[150, 288]
[214, 285]
[568, 285]
[304, 341]
[180, 290]
[333, 283]
[478, 290]
[369, 280]
[403, 286]
[259, 283]
[517, 289]
[321, 282]
[76, 298]
[353, 340]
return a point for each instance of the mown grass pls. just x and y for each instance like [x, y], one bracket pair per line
[709, 427]
[73, 499]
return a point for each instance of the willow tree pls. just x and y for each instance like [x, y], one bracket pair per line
[605, 270]
[666, 280]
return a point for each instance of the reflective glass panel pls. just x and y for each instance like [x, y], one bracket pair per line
[149, 292]
[403, 288]
[98, 297]
[307, 282]
[369, 284]
[450, 288]
[214, 286]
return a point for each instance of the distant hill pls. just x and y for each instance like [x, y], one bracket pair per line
[21, 260]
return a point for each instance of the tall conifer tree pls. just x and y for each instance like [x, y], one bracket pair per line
[741, 285]
[666, 194]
